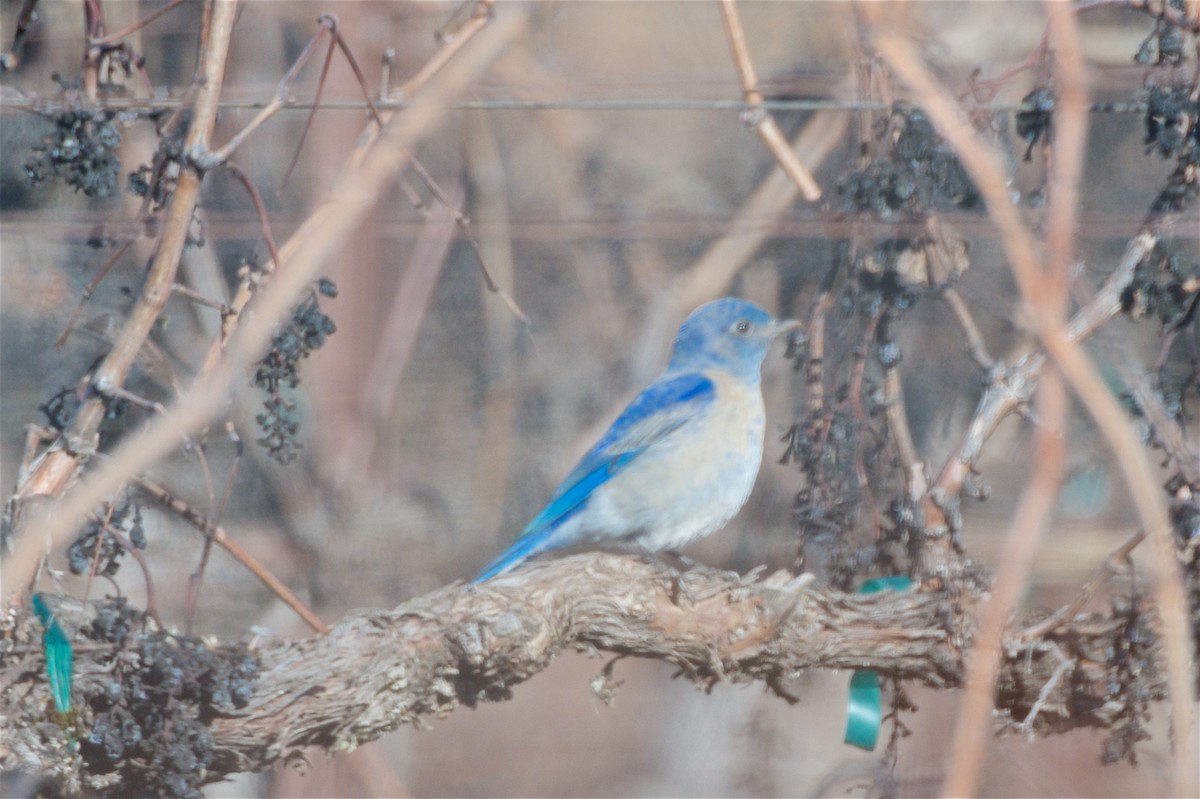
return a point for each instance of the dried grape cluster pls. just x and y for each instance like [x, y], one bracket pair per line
[307, 330]
[917, 173]
[152, 714]
[1165, 284]
[1172, 109]
[81, 151]
[95, 544]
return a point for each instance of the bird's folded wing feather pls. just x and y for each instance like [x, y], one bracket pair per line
[660, 410]
[654, 414]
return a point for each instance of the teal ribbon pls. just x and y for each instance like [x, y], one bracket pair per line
[864, 708]
[60, 659]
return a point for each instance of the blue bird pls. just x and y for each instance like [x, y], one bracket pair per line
[680, 460]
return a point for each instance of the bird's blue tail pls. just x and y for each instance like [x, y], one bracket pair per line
[521, 550]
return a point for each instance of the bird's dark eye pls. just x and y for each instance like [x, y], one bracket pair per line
[742, 327]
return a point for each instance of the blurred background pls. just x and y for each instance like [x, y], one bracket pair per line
[599, 161]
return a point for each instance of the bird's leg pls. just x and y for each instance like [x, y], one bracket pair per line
[683, 560]
[678, 586]
[688, 564]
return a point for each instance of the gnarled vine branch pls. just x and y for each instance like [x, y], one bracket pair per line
[465, 644]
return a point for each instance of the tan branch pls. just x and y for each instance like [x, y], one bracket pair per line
[222, 538]
[466, 644]
[759, 118]
[309, 249]
[56, 471]
[986, 169]
[1046, 295]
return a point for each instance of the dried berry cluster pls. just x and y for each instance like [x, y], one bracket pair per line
[152, 714]
[832, 442]
[1172, 110]
[913, 172]
[1034, 121]
[156, 182]
[1165, 284]
[95, 544]
[917, 173]
[306, 331]
[824, 446]
[1185, 517]
[62, 406]
[1164, 45]
[1131, 659]
[80, 151]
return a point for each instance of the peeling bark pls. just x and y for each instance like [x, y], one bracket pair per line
[464, 644]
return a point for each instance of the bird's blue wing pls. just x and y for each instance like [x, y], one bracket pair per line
[658, 411]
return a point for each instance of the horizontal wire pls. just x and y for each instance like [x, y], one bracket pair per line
[513, 104]
[819, 223]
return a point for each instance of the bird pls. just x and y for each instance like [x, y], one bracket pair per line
[680, 460]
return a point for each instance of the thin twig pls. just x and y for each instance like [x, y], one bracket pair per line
[308, 250]
[196, 578]
[95, 564]
[857, 375]
[259, 208]
[1070, 611]
[52, 478]
[759, 118]
[916, 483]
[986, 169]
[385, 74]
[287, 174]
[814, 364]
[191, 294]
[136, 400]
[221, 155]
[1065, 664]
[358, 73]
[279, 101]
[12, 59]
[450, 45]
[88, 291]
[976, 347]
[816, 332]
[136, 26]
[464, 224]
[127, 545]
[220, 536]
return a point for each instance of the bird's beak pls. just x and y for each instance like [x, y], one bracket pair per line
[782, 326]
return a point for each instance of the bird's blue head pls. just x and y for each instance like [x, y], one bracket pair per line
[729, 334]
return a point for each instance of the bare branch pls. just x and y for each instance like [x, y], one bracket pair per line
[759, 118]
[217, 534]
[56, 471]
[466, 644]
[985, 168]
[307, 251]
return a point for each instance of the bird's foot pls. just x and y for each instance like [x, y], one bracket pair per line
[679, 588]
[682, 559]
[678, 578]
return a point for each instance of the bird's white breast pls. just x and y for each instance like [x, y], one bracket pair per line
[691, 482]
